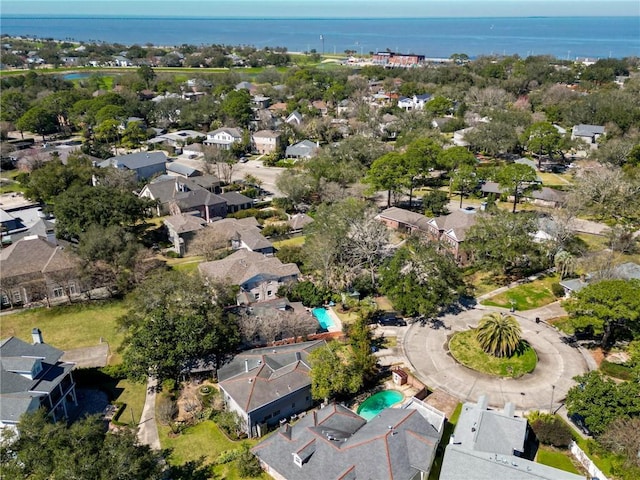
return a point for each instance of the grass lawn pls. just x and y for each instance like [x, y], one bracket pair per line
[465, 349]
[70, 326]
[481, 282]
[553, 457]
[202, 440]
[563, 324]
[384, 303]
[527, 296]
[555, 179]
[290, 242]
[184, 264]
[450, 425]
[603, 462]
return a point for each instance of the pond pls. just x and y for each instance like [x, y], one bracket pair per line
[373, 405]
[76, 76]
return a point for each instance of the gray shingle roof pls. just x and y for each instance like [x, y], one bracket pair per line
[134, 161]
[302, 149]
[246, 230]
[33, 255]
[334, 441]
[235, 198]
[462, 464]
[243, 265]
[583, 130]
[182, 169]
[257, 377]
[184, 223]
[459, 221]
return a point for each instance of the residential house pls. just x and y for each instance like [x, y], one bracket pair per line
[243, 233]
[397, 60]
[302, 149]
[193, 150]
[417, 102]
[450, 231]
[624, 271]
[236, 201]
[279, 108]
[587, 133]
[334, 443]
[258, 276]
[167, 190]
[298, 221]
[265, 141]
[224, 137]
[33, 377]
[182, 170]
[20, 217]
[320, 106]
[459, 137]
[33, 270]
[177, 139]
[181, 229]
[403, 220]
[489, 444]
[294, 118]
[266, 385]
[260, 101]
[549, 197]
[246, 86]
[209, 206]
[143, 164]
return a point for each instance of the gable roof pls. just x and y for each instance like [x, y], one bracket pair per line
[134, 161]
[182, 169]
[456, 223]
[243, 265]
[197, 198]
[33, 255]
[584, 130]
[235, 198]
[246, 230]
[258, 377]
[267, 134]
[406, 217]
[234, 132]
[335, 443]
[19, 393]
[304, 148]
[184, 223]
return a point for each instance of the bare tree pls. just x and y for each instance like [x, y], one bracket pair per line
[269, 325]
[209, 242]
[623, 437]
[368, 240]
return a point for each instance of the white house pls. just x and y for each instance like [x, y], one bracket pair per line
[224, 137]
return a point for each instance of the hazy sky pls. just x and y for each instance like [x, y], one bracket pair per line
[326, 8]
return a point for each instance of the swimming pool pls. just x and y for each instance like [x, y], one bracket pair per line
[373, 405]
[323, 317]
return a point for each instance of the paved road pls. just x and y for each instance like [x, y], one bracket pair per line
[148, 429]
[426, 349]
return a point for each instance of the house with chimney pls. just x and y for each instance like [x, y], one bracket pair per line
[334, 443]
[266, 385]
[34, 377]
[265, 141]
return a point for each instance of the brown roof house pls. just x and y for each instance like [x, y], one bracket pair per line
[258, 276]
[243, 233]
[265, 141]
[450, 230]
[266, 385]
[33, 377]
[335, 443]
[34, 270]
[181, 229]
[404, 220]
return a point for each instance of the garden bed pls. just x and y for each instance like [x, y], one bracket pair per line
[466, 350]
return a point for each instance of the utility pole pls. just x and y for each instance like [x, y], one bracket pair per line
[553, 389]
[322, 40]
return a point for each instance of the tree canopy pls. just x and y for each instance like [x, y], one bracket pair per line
[420, 279]
[333, 371]
[609, 307]
[174, 321]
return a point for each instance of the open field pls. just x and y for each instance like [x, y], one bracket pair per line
[70, 326]
[527, 296]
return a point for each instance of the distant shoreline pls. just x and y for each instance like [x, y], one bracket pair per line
[438, 37]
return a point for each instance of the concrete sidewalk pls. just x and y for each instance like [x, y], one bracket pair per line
[148, 429]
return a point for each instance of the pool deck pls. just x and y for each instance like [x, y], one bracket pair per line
[337, 323]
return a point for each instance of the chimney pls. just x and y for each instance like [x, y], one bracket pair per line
[298, 356]
[36, 335]
[246, 365]
[315, 418]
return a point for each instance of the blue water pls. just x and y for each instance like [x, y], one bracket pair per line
[75, 76]
[323, 317]
[373, 405]
[434, 37]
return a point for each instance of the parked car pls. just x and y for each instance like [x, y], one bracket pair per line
[391, 319]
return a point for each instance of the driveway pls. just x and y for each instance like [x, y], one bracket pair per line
[425, 347]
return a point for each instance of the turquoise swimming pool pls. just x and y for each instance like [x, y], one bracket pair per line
[323, 317]
[373, 405]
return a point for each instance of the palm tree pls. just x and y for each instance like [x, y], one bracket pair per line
[499, 334]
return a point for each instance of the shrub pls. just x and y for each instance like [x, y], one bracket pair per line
[228, 456]
[557, 290]
[275, 229]
[230, 423]
[616, 370]
[290, 254]
[166, 409]
[551, 430]
[248, 465]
